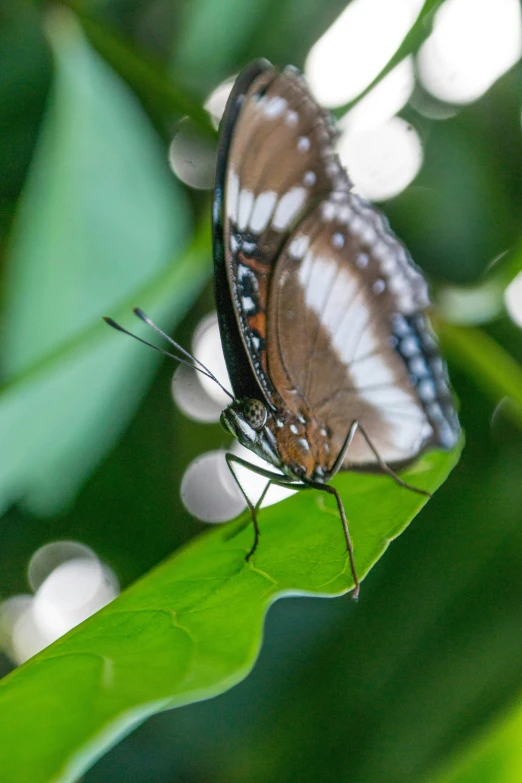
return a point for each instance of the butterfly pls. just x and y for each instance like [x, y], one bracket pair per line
[321, 310]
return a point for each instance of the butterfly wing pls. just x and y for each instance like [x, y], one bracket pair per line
[276, 160]
[313, 287]
[347, 338]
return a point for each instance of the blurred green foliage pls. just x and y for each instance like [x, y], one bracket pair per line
[388, 690]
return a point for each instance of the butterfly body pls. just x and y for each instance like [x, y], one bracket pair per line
[295, 445]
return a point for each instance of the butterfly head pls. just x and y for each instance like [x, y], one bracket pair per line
[245, 419]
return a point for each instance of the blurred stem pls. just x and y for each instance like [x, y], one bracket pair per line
[494, 369]
[192, 264]
[413, 39]
[148, 79]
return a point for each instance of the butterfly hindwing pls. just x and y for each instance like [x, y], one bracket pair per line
[338, 302]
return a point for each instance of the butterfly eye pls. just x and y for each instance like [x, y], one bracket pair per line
[255, 413]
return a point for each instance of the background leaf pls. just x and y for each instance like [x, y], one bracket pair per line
[99, 217]
[495, 757]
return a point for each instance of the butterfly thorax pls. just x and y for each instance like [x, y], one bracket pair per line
[297, 445]
[302, 444]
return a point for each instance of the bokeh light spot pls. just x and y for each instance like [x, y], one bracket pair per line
[217, 100]
[191, 398]
[383, 102]
[513, 299]
[52, 555]
[208, 489]
[70, 585]
[192, 158]
[71, 593]
[206, 346]
[382, 161]
[472, 45]
[357, 46]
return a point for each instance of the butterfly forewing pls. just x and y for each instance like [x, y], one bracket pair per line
[267, 194]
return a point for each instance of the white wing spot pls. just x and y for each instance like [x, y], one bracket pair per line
[435, 412]
[298, 247]
[243, 271]
[246, 202]
[426, 390]
[275, 107]
[379, 286]
[309, 178]
[357, 225]
[332, 169]
[262, 211]
[406, 304]
[362, 261]
[389, 267]
[368, 235]
[289, 205]
[397, 285]
[248, 303]
[345, 214]
[303, 144]
[291, 118]
[409, 346]
[400, 325]
[418, 366]
[317, 274]
[338, 240]
[232, 195]
[380, 250]
[328, 211]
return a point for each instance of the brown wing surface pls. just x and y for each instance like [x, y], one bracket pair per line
[280, 163]
[347, 339]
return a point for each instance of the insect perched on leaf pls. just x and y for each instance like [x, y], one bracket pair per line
[321, 309]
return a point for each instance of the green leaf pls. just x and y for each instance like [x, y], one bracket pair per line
[494, 758]
[147, 78]
[46, 394]
[208, 43]
[192, 628]
[100, 217]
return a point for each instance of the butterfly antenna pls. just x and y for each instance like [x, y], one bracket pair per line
[203, 370]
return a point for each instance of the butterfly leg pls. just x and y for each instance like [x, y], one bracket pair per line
[349, 546]
[386, 468]
[344, 450]
[273, 478]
